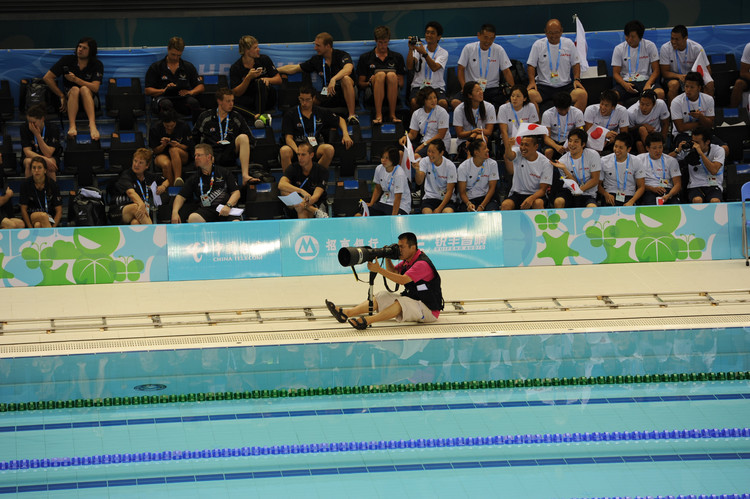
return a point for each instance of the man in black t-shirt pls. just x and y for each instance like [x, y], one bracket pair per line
[309, 124]
[173, 82]
[172, 142]
[40, 138]
[381, 74]
[336, 69]
[309, 180]
[82, 76]
[212, 186]
[7, 215]
[134, 198]
[226, 131]
[250, 79]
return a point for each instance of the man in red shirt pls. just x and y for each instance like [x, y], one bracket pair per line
[421, 301]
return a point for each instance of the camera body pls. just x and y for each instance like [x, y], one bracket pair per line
[414, 40]
[348, 257]
[687, 145]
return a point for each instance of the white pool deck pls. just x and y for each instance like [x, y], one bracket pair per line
[524, 300]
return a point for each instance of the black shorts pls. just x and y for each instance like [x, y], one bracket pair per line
[491, 206]
[649, 198]
[617, 203]
[210, 214]
[572, 201]
[382, 209]
[336, 100]
[706, 192]
[518, 199]
[547, 92]
[433, 203]
[624, 95]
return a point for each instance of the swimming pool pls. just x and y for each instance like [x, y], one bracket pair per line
[560, 415]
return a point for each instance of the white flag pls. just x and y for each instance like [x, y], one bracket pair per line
[365, 208]
[597, 138]
[527, 129]
[408, 158]
[701, 66]
[581, 46]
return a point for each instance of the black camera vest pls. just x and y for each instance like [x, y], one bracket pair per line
[432, 297]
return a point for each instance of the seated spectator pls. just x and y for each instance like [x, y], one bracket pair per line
[560, 120]
[8, 220]
[40, 139]
[622, 176]
[309, 180]
[226, 131]
[336, 69]
[648, 115]
[474, 118]
[582, 166]
[663, 176]
[82, 76]
[635, 64]
[676, 58]
[212, 186]
[477, 179]
[742, 84]
[608, 114]
[482, 62]
[430, 122]
[310, 124]
[173, 82]
[381, 75]
[428, 61]
[40, 200]
[691, 109]
[134, 198]
[171, 140]
[251, 78]
[391, 194]
[532, 175]
[705, 166]
[438, 175]
[511, 114]
[553, 67]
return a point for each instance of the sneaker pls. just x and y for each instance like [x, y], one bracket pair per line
[320, 214]
[178, 182]
[263, 120]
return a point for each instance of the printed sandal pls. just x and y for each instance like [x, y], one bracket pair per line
[336, 312]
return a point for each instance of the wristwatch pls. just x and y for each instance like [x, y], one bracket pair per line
[230, 205]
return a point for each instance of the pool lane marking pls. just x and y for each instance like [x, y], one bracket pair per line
[348, 470]
[376, 409]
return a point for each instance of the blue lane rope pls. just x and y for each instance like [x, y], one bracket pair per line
[546, 438]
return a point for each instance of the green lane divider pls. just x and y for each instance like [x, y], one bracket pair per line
[367, 389]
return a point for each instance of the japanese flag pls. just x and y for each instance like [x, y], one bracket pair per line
[581, 46]
[597, 138]
[408, 157]
[365, 209]
[572, 186]
[527, 129]
[701, 66]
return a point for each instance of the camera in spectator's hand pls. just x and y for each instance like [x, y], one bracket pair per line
[687, 145]
[348, 257]
[414, 40]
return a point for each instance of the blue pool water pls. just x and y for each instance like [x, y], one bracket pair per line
[556, 441]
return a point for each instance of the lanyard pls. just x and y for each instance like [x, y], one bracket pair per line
[630, 60]
[559, 128]
[144, 194]
[617, 175]
[38, 200]
[690, 118]
[479, 60]
[210, 186]
[706, 168]
[479, 174]
[222, 131]
[663, 168]
[476, 116]
[677, 59]
[609, 119]
[315, 123]
[556, 71]
[427, 122]
[518, 122]
[390, 181]
[325, 80]
[435, 174]
[583, 170]
[43, 130]
[427, 66]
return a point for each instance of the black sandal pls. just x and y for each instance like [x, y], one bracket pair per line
[337, 313]
[358, 323]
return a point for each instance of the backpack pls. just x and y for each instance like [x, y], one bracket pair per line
[37, 92]
[87, 211]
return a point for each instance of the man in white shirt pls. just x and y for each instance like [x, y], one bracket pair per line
[635, 63]
[428, 61]
[676, 58]
[663, 176]
[553, 66]
[482, 62]
[691, 109]
[743, 82]
[705, 166]
[532, 175]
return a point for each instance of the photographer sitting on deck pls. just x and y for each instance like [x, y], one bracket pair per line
[421, 301]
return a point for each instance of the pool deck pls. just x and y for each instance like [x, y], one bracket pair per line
[525, 300]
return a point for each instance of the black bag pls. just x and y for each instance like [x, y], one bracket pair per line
[85, 211]
[36, 93]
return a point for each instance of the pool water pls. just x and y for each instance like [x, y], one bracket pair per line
[602, 440]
